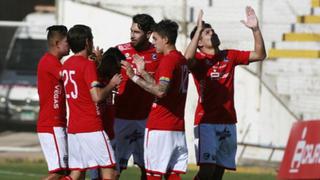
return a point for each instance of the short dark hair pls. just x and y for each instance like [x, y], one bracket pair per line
[167, 28]
[205, 25]
[110, 63]
[77, 37]
[54, 31]
[145, 22]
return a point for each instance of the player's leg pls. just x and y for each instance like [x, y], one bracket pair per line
[124, 140]
[107, 173]
[54, 147]
[138, 150]
[226, 154]
[218, 173]
[206, 146]
[179, 157]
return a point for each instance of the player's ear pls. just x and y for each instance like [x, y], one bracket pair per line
[149, 33]
[166, 40]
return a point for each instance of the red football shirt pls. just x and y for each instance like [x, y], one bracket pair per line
[107, 113]
[51, 94]
[214, 76]
[79, 76]
[167, 113]
[132, 102]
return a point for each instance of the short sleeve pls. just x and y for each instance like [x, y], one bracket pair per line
[90, 75]
[239, 57]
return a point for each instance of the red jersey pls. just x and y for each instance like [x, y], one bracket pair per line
[79, 76]
[132, 102]
[167, 113]
[51, 94]
[107, 113]
[214, 76]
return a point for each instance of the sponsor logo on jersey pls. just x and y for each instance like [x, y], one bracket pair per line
[124, 47]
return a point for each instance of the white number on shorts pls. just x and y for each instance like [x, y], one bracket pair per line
[67, 75]
[184, 79]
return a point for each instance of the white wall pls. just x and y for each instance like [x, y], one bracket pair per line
[109, 29]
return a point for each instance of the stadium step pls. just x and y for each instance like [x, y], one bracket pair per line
[296, 45]
[301, 37]
[312, 19]
[306, 28]
[292, 53]
[315, 3]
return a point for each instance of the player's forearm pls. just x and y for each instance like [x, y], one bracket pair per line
[259, 48]
[192, 46]
[147, 77]
[149, 87]
[99, 94]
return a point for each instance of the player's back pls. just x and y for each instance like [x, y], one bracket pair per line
[51, 94]
[170, 108]
[79, 76]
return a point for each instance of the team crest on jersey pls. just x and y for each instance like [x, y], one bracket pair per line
[127, 55]
[154, 56]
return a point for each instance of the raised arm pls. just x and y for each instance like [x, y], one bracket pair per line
[159, 90]
[192, 47]
[259, 52]
[99, 94]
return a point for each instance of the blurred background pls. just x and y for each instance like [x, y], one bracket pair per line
[270, 96]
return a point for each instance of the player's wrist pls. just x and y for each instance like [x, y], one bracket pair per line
[135, 78]
[255, 29]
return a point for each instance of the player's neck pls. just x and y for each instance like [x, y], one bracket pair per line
[143, 47]
[211, 51]
[83, 53]
[168, 48]
[55, 53]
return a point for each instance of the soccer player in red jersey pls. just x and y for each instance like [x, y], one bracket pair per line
[215, 117]
[51, 125]
[165, 145]
[132, 102]
[89, 145]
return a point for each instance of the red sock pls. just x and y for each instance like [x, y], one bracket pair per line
[174, 176]
[66, 178]
[151, 177]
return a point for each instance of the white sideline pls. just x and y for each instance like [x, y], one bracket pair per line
[19, 149]
[20, 174]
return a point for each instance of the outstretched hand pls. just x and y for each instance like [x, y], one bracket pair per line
[252, 20]
[199, 20]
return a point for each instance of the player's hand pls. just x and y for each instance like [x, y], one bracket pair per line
[252, 20]
[129, 70]
[116, 80]
[140, 64]
[97, 54]
[200, 21]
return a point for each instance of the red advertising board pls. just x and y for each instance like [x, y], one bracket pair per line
[302, 155]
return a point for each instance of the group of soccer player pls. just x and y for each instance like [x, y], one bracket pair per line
[130, 100]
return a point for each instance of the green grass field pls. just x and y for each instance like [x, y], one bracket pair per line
[18, 170]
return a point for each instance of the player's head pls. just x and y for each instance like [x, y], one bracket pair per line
[165, 34]
[141, 30]
[208, 37]
[110, 63]
[80, 38]
[57, 39]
